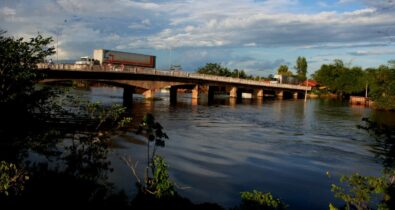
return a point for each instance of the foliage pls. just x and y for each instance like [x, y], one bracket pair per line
[283, 70]
[256, 200]
[157, 182]
[18, 59]
[340, 79]
[301, 68]
[360, 191]
[12, 179]
[160, 184]
[216, 69]
[382, 86]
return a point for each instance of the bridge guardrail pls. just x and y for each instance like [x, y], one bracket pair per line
[179, 74]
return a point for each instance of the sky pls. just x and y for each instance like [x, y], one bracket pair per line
[255, 35]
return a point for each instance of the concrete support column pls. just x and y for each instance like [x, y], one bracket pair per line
[239, 94]
[210, 94]
[233, 92]
[295, 95]
[279, 93]
[173, 94]
[128, 96]
[258, 93]
[149, 94]
[195, 92]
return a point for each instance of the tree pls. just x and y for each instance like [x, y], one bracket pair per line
[18, 59]
[329, 74]
[211, 68]
[301, 68]
[382, 86]
[283, 70]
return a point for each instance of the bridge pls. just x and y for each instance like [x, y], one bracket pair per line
[146, 81]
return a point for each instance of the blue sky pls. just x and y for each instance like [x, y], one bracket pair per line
[254, 35]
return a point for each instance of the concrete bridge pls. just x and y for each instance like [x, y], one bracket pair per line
[146, 81]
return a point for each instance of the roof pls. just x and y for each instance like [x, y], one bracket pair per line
[310, 83]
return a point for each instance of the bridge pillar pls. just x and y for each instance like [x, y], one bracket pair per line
[210, 94]
[279, 93]
[233, 92]
[128, 96]
[173, 94]
[195, 92]
[258, 93]
[295, 95]
[149, 94]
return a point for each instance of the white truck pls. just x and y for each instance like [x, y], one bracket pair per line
[86, 60]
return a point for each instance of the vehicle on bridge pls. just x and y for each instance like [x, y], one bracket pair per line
[116, 58]
[86, 60]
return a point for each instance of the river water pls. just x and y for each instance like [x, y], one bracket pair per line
[285, 147]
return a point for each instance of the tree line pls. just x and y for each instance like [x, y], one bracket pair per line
[344, 80]
[217, 69]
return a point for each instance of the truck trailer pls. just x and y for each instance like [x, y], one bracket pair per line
[123, 58]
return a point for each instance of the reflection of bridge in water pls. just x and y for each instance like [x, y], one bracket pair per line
[147, 81]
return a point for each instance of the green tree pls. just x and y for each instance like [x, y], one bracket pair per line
[283, 70]
[329, 74]
[382, 86]
[18, 59]
[211, 68]
[301, 68]
[351, 81]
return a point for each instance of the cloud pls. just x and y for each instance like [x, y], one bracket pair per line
[271, 29]
[205, 30]
[372, 52]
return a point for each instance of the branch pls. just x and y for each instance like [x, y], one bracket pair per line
[129, 163]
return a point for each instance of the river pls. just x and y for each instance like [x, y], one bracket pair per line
[285, 147]
[214, 152]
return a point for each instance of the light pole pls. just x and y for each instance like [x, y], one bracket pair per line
[305, 94]
[170, 59]
[57, 47]
[58, 33]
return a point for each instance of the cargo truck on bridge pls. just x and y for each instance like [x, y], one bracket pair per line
[123, 58]
[117, 58]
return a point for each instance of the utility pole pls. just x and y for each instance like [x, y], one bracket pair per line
[305, 94]
[57, 47]
[170, 60]
[366, 91]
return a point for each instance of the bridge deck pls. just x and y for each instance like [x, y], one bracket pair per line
[169, 74]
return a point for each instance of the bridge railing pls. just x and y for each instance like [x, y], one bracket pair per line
[179, 74]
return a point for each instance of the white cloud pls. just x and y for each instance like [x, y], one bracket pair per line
[272, 29]
[373, 52]
[251, 44]
[201, 24]
[6, 11]
[143, 24]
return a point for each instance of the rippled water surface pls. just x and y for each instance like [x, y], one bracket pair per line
[279, 146]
